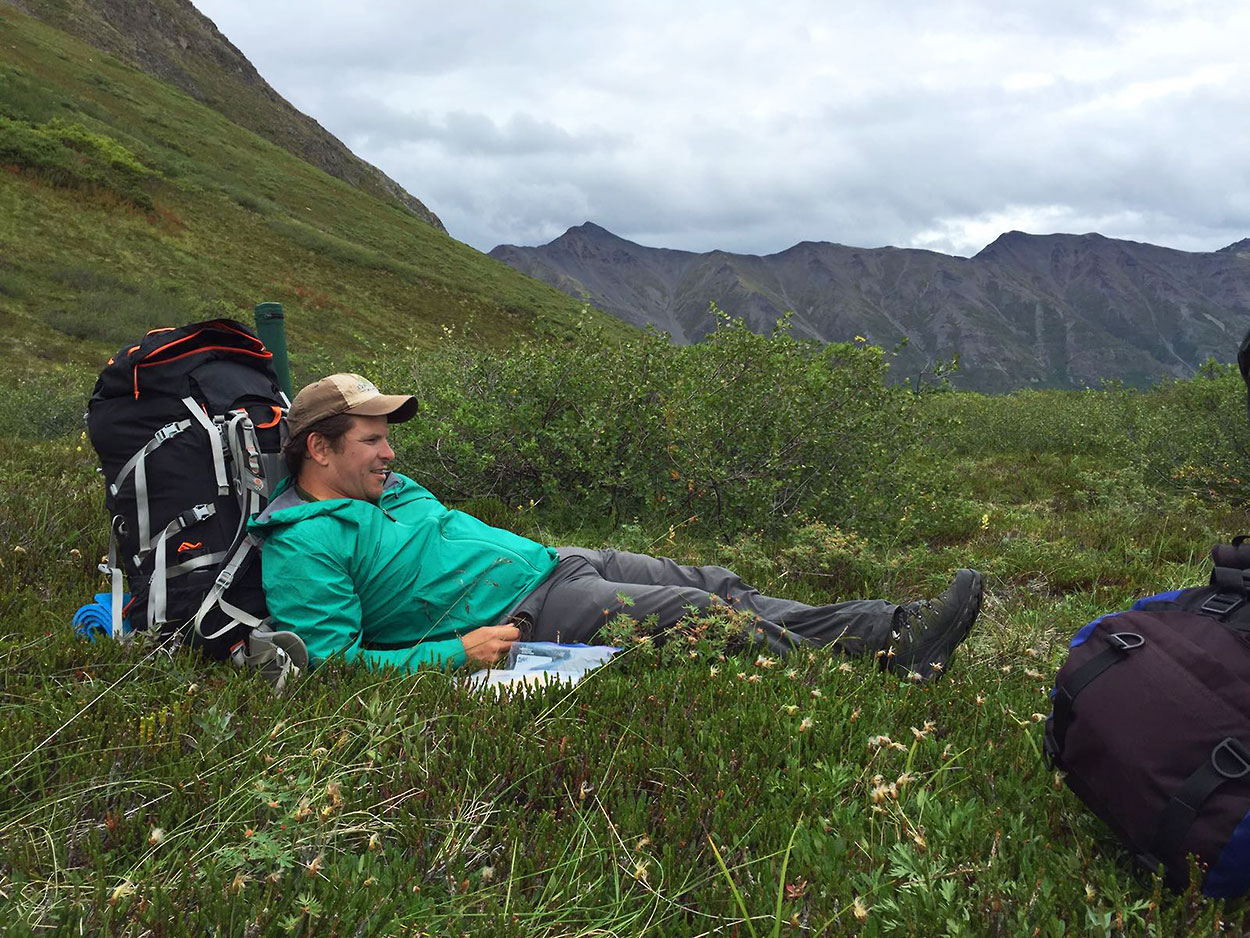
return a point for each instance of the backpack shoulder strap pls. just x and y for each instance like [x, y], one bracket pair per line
[216, 593]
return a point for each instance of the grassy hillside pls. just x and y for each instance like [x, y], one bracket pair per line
[172, 41]
[125, 204]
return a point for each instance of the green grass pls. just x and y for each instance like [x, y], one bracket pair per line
[673, 792]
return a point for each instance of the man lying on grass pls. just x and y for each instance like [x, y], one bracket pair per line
[364, 562]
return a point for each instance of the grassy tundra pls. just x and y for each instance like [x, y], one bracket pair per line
[690, 787]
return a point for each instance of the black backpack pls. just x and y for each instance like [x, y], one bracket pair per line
[1151, 724]
[189, 424]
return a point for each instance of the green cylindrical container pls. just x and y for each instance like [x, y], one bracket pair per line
[271, 327]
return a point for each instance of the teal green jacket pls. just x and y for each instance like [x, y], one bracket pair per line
[394, 583]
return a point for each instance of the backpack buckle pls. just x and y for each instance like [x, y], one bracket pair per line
[165, 432]
[196, 513]
[1221, 604]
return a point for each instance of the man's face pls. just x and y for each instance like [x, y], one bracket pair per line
[358, 467]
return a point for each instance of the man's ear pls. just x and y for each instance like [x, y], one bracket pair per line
[318, 449]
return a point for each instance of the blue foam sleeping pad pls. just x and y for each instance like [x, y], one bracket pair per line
[95, 619]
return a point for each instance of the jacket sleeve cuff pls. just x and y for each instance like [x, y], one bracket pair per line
[438, 653]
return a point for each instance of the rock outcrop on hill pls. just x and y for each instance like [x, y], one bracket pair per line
[173, 41]
[1029, 310]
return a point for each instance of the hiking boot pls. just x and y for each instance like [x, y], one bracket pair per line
[926, 632]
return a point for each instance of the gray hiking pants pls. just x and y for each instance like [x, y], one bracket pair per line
[582, 594]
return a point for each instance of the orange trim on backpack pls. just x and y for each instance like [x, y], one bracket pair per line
[187, 545]
[264, 353]
[277, 417]
[196, 351]
[161, 329]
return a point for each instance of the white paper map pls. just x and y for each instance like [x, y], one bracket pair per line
[544, 662]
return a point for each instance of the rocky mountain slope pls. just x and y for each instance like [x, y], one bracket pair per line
[171, 40]
[1029, 310]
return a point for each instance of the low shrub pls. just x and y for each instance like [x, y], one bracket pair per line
[68, 154]
[1049, 421]
[114, 311]
[1195, 438]
[44, 406]
[1187, 436]
[339, 249]
[24, 97]
[739, 431]
[691, 786]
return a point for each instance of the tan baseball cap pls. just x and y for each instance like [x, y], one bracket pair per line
[346, 394]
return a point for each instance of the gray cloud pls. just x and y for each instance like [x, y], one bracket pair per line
[461, 133]
[746, 126]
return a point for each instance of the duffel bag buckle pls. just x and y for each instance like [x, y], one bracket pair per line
[1230, 750]
[1221, 604]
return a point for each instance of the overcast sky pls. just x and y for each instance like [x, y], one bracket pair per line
[748, 126]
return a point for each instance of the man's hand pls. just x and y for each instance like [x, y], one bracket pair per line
[488, 644]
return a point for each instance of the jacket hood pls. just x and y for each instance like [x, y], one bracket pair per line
[287, 507]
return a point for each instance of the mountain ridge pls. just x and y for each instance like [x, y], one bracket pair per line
[1057, 310]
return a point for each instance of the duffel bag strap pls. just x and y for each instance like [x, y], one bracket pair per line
[1119, 645]
[1236, 554]
[1229, 759]
[1230, 578]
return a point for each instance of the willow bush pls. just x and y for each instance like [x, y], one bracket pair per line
[738, 431]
